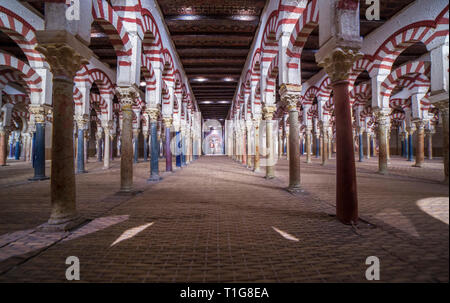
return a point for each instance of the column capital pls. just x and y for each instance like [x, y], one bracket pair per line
[153, 113]
[420, 124]
[81, 121]
[290, 95]
[269, 111]
[382, 115]
[127, 96]
[167, 121]
[339, 62]
[38, 111]
[63, 59]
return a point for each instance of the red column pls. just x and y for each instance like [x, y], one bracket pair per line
[3, 144]
[346, 191]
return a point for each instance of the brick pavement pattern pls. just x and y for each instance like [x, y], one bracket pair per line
[217, 221]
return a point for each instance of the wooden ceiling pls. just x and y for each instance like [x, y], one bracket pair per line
[212, 38]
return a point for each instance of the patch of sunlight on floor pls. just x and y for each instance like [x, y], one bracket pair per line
[285, 235]
[130, 233]
[437, 207]
[396, 219]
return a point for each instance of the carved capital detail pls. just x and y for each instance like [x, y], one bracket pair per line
[382, 116]
[290, 95]
[64, 61]
[269, 111]
[38, 111]
[127, 96]
[339, 63]
[167, 122]
[153, 113]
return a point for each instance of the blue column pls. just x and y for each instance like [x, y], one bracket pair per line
[136, 149]
[80, 151]
[11, 148]
[145, 148]
[361, 148]
[317, 147]
[100, 150]
[39, 153]
[17, 151]
[33, 149]
[183, 151]
[371, 147]
[410, 148]
[178, 148]
[154, 154]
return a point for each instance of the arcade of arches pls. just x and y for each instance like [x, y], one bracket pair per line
[224, 141]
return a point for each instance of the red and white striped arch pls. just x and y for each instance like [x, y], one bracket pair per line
[269, 45]
[360, 94]
[10, 76]
[411, 68]
[77, 97]
[307, 22]
[310, 95]
[426, 32]
[102, 81]
[100, 103]
[31, 78]
[21, 32]
[152, 42]
[111, 23]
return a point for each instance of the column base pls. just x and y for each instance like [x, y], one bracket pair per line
[81, 172]
[39, 178]
[294, 189]
[269, 177]
[417, 165]
[62, 225]
[384, 173]
[256, 170]
[156, 178]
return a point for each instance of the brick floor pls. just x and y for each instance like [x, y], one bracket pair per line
[216, 221]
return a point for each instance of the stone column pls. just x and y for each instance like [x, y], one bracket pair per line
[388, 142]
[178, 148]
[127, 96]
[337, 64]
[81, 124]
[257, 166]
[135, 145]
[38, 112]
[99, 137]
[443, 111]
[409, 132]
[367, 145]
[308, 144]
[248, 125]
[290, 95]
[420, 143]
[429, 135]
[323, 142]
[86, 146]
[64, 60]
[317, 144]
[382, 117]
[107, 154]
[361, 145]
[167, 126]
[3, 145]
[145, 146]
[270, 161]
[154, 157]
